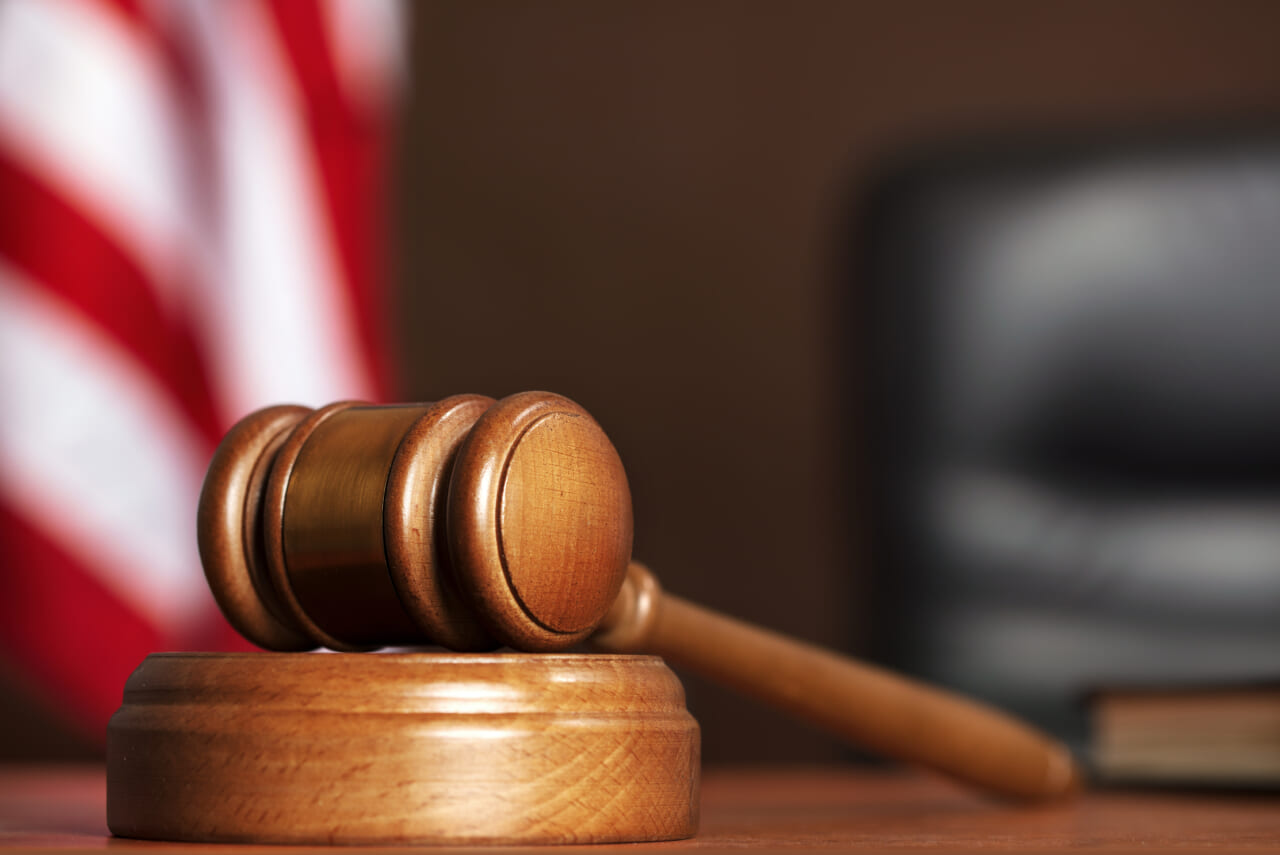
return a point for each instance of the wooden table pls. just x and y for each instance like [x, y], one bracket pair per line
[63, 810]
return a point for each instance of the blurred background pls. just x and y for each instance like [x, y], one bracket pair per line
[740, 235]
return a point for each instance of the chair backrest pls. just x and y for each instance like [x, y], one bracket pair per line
[1073, 356]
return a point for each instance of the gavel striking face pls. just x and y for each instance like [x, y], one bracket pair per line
[471, 524]
[465, 523]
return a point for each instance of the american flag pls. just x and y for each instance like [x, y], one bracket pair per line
[190, 201]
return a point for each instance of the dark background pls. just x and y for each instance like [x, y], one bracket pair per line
[641, 205]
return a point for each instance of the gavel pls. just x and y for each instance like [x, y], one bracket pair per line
[473, 524]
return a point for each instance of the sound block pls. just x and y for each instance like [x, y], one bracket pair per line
[403, 748]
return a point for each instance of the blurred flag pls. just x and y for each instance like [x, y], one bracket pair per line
[190, 201]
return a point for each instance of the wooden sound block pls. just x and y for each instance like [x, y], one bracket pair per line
[403, 748]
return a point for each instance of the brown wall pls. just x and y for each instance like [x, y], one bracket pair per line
[633, 203]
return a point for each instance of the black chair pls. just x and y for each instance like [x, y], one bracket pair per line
[1069, 359]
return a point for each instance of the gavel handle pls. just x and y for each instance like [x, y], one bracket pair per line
[868, 706]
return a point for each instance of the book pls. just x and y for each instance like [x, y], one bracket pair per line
[1203, 736]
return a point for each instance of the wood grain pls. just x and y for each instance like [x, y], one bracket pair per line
[833, 809]
[332, 557]
[466, 523]
[539, 521]
[275, 494]
[403, 748]
[868, 706]
[537, 532]
[417, 497]
[229, 529]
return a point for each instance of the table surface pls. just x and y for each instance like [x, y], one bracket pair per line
[63, 809]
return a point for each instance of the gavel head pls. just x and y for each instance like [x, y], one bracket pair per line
[466, 523]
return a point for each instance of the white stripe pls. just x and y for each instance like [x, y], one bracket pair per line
[83, 104]
[369, 39]
[97, 457]
[280, 318]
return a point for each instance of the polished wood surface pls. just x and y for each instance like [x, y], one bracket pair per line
[349, 537]
[539, 521]
[868, 706]
[395, 749]
[63, 810]
[229, 528]
[321, 515]
[530, 548]
[418, 491]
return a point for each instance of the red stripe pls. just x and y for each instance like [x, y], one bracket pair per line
[67, 254]
[186, 83]
[63, 628]
[72, 636]
[59, 624]
[350, 145]
[129, 9]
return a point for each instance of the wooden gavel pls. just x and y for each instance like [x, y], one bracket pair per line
[473, 524]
